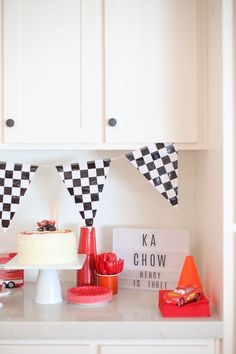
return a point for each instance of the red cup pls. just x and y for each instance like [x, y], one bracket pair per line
[87, 245]
[110, 281]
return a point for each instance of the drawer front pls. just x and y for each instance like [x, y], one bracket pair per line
[45, 349]
[157, 349]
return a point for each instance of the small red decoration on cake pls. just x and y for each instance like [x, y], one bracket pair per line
[46, 225]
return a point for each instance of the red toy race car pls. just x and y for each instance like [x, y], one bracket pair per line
[46, 225]
[10, 278]
[183, 295]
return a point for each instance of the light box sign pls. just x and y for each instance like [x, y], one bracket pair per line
[153, 258]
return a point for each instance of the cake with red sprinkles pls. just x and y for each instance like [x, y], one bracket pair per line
[47, 245]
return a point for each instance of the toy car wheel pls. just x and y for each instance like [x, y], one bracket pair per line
[197, 297]
[11, 285]
[180, 302]
[4, 285]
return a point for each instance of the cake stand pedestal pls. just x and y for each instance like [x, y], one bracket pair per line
[48, 287]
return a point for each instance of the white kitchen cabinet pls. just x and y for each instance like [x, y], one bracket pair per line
[52, 66]
[153, 51]
[66, 73]
[44, 347]
[201, 203]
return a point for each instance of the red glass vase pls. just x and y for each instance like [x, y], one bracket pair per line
[87, 245]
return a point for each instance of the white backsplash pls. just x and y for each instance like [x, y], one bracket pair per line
[127, 199]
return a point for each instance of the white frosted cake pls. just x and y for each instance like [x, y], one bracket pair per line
[47, 247]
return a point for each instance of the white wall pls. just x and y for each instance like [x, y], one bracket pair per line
[128, 198]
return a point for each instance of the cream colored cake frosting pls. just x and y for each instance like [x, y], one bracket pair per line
[47, 247]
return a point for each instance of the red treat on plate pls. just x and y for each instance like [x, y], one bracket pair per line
[89, 295]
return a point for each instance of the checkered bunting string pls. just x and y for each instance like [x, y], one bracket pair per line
[158, 163]
[85, 182]
[14, 181]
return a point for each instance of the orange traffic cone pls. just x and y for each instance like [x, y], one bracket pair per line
[189, 274]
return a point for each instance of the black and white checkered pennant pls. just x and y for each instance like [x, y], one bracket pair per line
[159, 164]
[14, 181]
[85, 181]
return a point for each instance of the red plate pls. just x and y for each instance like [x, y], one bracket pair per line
[89, 295]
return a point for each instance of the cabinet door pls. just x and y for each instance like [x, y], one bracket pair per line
[45, 349]
[52, 70]
[152, 65]
[157, 349]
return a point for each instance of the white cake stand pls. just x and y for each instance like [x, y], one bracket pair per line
[48, 287]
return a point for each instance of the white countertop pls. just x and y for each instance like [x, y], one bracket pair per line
[132, 314]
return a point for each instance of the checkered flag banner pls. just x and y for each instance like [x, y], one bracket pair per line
[159, 164]
[14, 181]
[85, 182]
